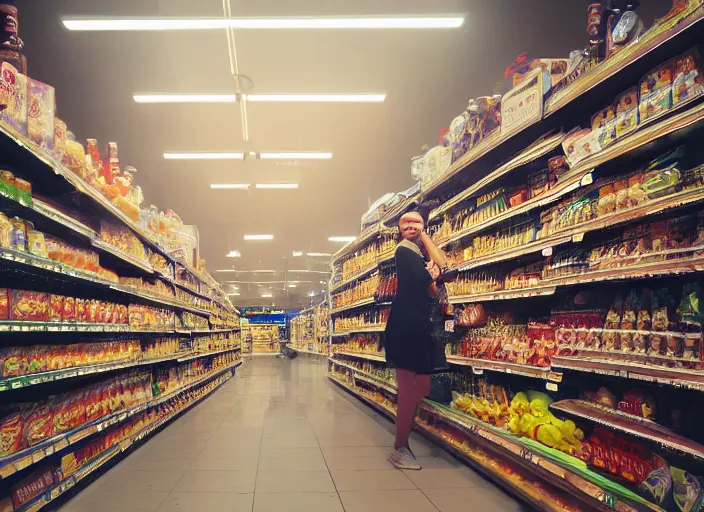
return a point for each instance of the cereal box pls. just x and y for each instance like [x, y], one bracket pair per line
[40, 114]
[13, 97]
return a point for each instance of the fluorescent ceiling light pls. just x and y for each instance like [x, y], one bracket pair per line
[233, 254]
[311, 271]
[321, 22]
[297, 254]
[185, 98]
[234, 294]
[258, 237]
[267, 295]
[291, 285]
[295, 155]
[276, 185]
[312, 294]
[180, 155]
[229, 186]
[319, 254]
[345, 239]
[315, 98]
[260, 98]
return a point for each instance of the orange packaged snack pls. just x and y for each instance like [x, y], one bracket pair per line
[38, 424]
[11, 440]
[56, 307]
[29, 306]
[4, 304]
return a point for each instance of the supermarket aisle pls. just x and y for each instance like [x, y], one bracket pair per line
[279, 437]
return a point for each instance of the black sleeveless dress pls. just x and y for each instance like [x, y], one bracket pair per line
[408, 337]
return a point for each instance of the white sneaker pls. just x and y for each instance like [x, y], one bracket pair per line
[402, 458]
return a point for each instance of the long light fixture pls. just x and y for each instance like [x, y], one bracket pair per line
[266, 295]
[318, 23]
[272, 186]
[258, 237]
[345, 239]
[318, 255]
[295, 155]
[229, 186]
[230, 155]
[233, 254]
[297, 254]
[260, 98]
[226, 155]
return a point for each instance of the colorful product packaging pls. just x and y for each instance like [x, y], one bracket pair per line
[656, 92]
[627, 112]
[40, 114]
[13, 94]
[29, 306]
[604, 125]
[688, 81]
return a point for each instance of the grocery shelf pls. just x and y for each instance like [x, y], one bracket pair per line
[62, 488]
[580, 174]
[366, 377]
[630, 424]
[354, 305]
[356, 276]
[27, 326]
[678, 377]
[479, 365]
[360, 355]
[30, 456]
[637, 59]
[575, 233]
[572, 479]
[138, 264]
[626, 272]
[362, 239]
[538, 149]
[487, 469]
[362, 330]
[598, 86]
[34, 379]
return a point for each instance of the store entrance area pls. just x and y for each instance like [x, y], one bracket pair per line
[280, 436]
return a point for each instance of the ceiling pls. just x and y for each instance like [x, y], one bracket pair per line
[428, 77]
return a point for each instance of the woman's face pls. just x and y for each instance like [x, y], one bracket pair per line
[411, 225]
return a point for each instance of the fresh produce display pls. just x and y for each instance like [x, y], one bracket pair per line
[572, 323]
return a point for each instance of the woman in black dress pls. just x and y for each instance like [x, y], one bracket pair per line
[408, 336]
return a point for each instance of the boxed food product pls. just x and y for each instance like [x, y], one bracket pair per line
[60, 134]
[627, 112]
[29, 306]
[31, 487]
[13, 93]
[40, 114]
[580, 145]
[688, 81]
[656, 92]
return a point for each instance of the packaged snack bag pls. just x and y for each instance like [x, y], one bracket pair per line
[656, 92]
[627, 112]
[688, 81]
[13, 93]
[40, 114]
[11, 440]
[38, 424]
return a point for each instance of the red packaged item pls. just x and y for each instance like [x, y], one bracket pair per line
[80, 308]
[94, 404]
[4, 304]
[518, 197]
[11, 440]
[29, 306]
[68, 313]
[38, 424]
[56, 307]
[31, 487]
[14, 361]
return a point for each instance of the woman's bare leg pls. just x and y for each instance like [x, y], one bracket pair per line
[407, 403]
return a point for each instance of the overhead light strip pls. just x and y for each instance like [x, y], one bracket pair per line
[310, 23]
[258, 237]
[204, 156]
[345, 239]
[229, 186]
[273, 186]
[260, 98]
[229, 155]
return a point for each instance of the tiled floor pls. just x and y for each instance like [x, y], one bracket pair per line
[281, 437]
